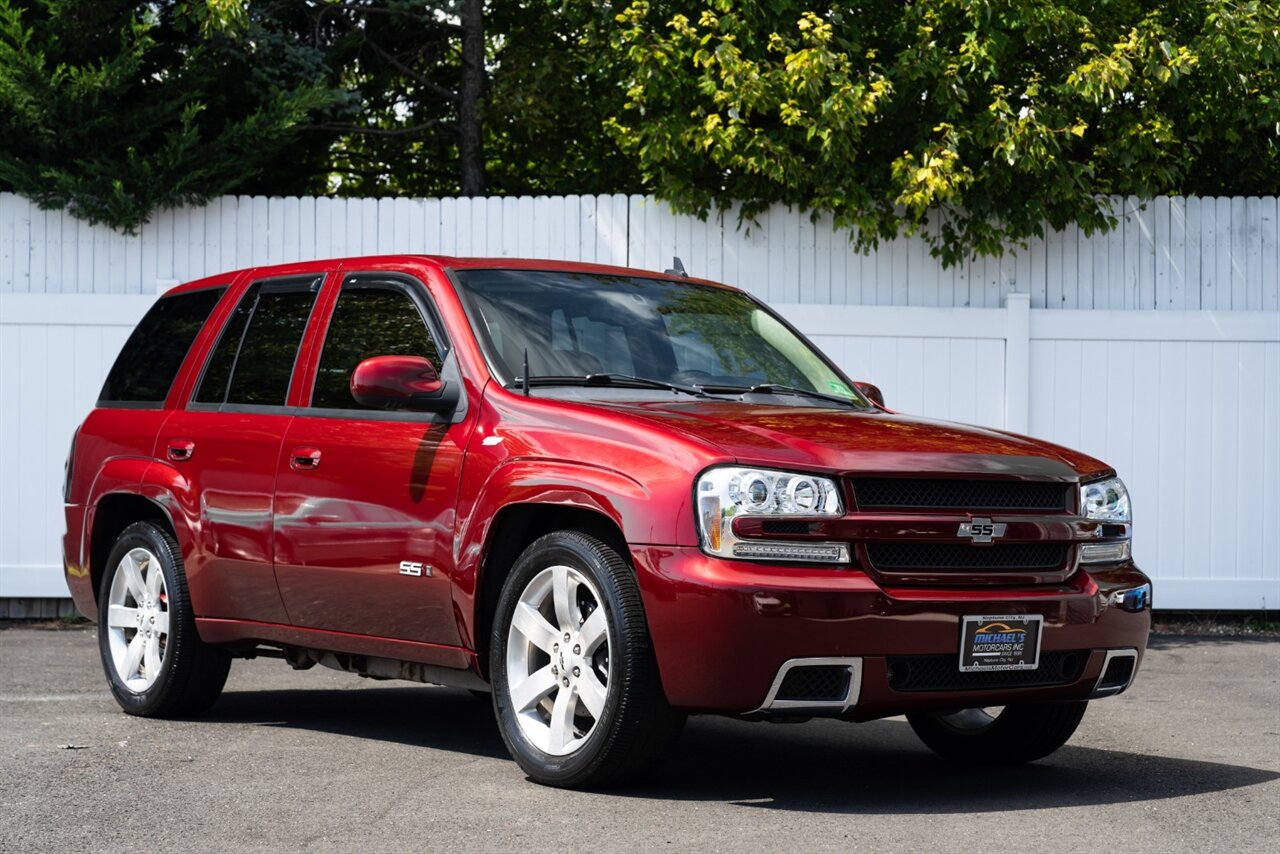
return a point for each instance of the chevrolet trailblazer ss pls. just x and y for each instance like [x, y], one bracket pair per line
[609, 497]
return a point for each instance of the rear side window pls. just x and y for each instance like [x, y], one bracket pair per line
[369, 320]
[254, 359]
[149, 362]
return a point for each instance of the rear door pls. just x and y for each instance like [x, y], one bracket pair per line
[226, 443]
[365, 499]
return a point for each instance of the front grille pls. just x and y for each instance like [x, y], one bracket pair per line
[962, 556]
[944, 494]
[942, 673]
[817, 683]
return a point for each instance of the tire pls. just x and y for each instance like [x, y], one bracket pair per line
[1019, 733]
[155, 662]
[571, 583]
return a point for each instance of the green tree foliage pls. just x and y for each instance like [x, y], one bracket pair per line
[546, 91]
[988, 116]
[554, 81]
[114, 109]
[117, 108]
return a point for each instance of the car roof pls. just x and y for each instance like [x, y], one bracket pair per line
[443, 262]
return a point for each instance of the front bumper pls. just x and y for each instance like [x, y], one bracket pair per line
[722, 630]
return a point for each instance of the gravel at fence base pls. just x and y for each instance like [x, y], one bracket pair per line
[1189, 759]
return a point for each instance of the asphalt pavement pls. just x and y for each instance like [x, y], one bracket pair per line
[1187, 760]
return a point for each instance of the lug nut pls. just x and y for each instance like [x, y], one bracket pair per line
[566, 637]
[555, 647]
[577, 672]
[555, 671]
[565, 682]
[577, 649]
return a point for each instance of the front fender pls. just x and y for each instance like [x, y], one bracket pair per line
[564, 483]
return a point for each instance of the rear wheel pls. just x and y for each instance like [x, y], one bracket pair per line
[156, 664]
[576, 687]
[1002, 735]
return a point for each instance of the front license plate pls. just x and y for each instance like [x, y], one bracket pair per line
[1000, 643]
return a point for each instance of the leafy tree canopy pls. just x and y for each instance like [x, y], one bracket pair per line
[990, 115]
[115, 109]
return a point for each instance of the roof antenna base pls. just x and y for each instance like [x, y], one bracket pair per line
[677, 268]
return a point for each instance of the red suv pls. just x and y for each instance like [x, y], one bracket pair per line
[609, 497]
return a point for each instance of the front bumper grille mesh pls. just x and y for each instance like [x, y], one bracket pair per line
[942, 673]
[963, 556]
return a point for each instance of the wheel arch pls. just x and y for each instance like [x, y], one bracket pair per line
[112, 513]
[135, 490]
[514, 528]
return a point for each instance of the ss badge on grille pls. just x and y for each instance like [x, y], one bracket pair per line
[982, 530]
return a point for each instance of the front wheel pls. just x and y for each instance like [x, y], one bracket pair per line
[1000, 736]
[576, 687]
[156, 664]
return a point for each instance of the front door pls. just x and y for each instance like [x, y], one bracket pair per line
[365, 499]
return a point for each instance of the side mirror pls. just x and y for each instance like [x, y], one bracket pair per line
[402, 382]
[872, 393]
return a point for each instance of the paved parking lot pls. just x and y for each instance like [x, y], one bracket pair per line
[1189, 759]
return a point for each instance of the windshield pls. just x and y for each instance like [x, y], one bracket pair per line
[578, 324]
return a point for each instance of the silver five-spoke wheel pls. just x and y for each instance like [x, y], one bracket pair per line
[155, 662]
[138, 619]
[575, 683]
[558, 659]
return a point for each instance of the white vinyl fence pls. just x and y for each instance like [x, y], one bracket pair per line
[1170, 254]
[1155, 348]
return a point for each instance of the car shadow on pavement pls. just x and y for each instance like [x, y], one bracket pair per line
[821, 766]
[881, 768]
[417, 716]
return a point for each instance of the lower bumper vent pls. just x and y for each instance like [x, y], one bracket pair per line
[1118, 670]
[814, 686]
[942, 673]
[824, 684]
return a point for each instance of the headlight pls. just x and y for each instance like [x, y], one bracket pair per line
[728, 492]
[1105, 500]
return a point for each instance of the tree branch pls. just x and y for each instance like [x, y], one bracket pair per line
[374, 131]
[425, 82]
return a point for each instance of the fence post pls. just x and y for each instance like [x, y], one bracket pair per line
[1017, 363]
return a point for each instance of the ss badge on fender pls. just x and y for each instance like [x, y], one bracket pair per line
[411, 567]
[981, 530]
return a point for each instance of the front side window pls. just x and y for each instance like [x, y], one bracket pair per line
[254, 359]
[149, 361]
[573, 325]
[370, 319]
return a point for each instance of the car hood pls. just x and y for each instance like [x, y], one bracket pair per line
[848, 441]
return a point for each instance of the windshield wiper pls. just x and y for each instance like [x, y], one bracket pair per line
[777, 388]
[606, 379]
[612, 379]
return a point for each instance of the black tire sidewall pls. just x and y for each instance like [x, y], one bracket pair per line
[150, 537]
[575, 550]
[1024, 732]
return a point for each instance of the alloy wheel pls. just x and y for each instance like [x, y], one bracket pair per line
[138, 619]
[558, 660]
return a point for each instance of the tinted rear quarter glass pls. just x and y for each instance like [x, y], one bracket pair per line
[253, 361]
[149, 361]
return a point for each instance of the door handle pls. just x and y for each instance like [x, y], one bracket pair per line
[304, 459]
[180, 450]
